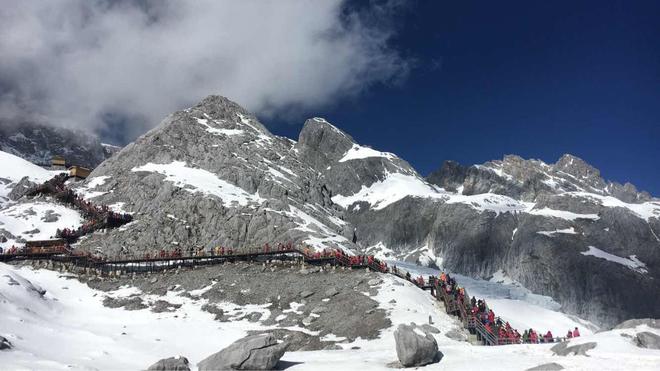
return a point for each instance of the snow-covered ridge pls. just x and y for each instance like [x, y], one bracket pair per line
[645, 210]
[397, 186]
[199, 180]
[393, 188]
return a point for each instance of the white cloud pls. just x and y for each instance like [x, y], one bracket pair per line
[73, 61]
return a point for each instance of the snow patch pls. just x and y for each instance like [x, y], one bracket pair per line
[631, 262]
[358, 152]
[570, 230]
[199, 180]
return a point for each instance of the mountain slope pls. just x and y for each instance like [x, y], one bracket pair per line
[213, 175]
[560, 230]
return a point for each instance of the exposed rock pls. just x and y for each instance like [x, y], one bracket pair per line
[320, 309]
[306, 294]
[374, 281]
[563, 349]
[255, 352]
[414, 347]
[177, 363]
[647, 340]
[160, 306]
[307, 321]
[130, 303]
[50, 217]
[331, 292]
[4, 343]
[428, 328]
[547, 367]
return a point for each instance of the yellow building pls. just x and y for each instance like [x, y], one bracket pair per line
[79, 172]
[58, 161]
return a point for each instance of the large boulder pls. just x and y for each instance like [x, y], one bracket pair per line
[415, 347]
[563, 349]
[256, 352]
[4, 343]
[647, 340]
[177, 363]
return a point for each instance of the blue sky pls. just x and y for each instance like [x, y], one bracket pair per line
[536, 79]
[432, 80]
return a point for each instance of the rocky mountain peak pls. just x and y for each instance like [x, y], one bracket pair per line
[321, 143]
[576, 167]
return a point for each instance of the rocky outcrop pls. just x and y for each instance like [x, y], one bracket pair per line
[4, 343]
[256, 352]
[415, 347]
[565, 349]
[177, 363]
[647, 340]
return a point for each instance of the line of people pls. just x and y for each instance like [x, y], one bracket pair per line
[98, 217]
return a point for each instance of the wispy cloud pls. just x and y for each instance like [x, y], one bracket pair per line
[78, 62]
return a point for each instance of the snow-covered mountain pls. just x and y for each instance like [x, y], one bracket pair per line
[213, 175]
[38, 143]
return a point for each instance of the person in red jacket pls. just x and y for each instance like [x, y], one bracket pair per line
[548, 337]
[491, 316]
[533, 337]
[576, 333]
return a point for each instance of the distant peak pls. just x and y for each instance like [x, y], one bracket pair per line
[576, 166]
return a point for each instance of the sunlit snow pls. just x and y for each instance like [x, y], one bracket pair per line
[199, 180]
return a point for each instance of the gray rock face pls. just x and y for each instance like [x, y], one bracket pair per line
[559, 229]
[563, 349]
[647, 340]
[256, 352]
[4, 343]
[171, 364]
[251, 188]
[547, 367]
[414, 347]
[38, 143]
